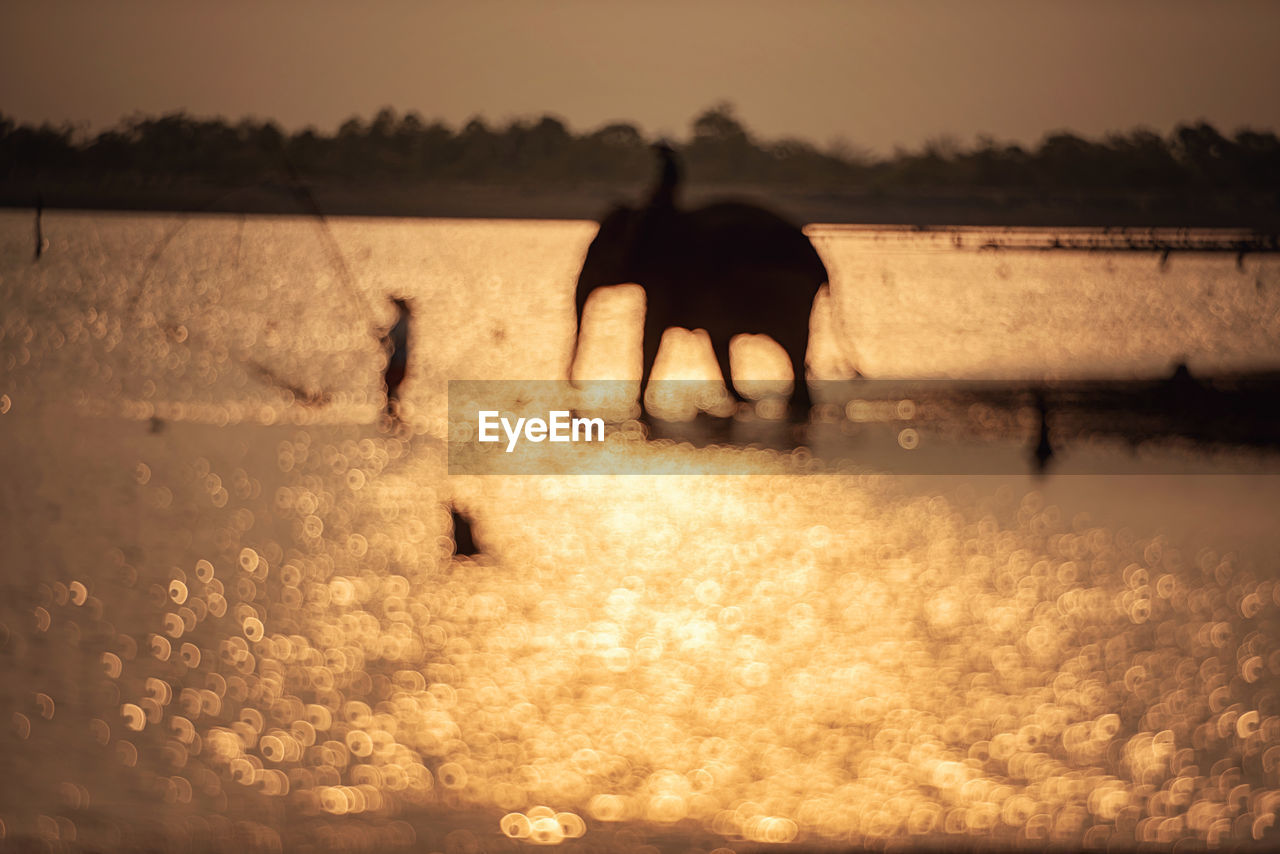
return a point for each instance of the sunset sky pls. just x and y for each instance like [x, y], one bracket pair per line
[877, 74]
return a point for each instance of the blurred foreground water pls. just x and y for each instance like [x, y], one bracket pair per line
[231, 619]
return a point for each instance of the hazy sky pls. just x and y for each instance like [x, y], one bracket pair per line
[878, 74]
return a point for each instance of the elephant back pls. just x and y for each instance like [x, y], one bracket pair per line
[746, 235]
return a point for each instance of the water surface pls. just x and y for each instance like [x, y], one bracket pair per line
[231, 619]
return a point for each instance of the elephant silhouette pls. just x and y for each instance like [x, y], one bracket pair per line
[729, 268]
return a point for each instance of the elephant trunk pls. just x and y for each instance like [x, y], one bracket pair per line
[603, 266]
[581, 295]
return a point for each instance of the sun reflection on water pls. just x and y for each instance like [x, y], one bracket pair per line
[683, 652]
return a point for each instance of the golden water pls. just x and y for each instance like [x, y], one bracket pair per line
[230, 620]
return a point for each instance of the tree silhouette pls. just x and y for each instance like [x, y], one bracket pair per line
[176, 150]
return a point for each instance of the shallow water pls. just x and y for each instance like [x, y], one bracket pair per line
[233, 620]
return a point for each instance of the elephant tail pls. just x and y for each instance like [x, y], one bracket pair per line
[844, 341]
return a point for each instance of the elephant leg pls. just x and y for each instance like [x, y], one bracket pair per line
[801, 403]
[720, 344]
[652, 341]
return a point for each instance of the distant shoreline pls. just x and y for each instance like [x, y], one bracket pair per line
[803, 205]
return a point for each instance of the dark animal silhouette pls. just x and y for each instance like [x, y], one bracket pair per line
[729, 268]
[396, 341]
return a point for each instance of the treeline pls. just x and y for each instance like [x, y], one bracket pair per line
[545, 154]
